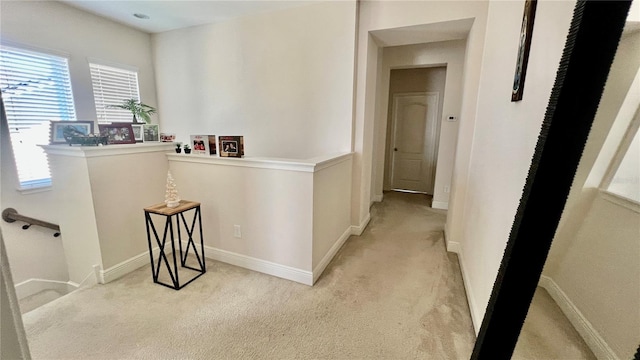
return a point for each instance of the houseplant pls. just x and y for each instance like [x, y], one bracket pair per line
[138, 109]
[187, 149]
[178, 147]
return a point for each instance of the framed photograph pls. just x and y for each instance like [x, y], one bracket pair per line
[166, 137]
[526, 31]
[150, 132]
[231, 146]
[203, 144]
[118, 133]
[58, 128]
[137, 132]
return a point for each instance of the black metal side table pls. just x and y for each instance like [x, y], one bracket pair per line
[177, 213]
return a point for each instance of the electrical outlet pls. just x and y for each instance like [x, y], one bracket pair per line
[237, 232]
[446, 189]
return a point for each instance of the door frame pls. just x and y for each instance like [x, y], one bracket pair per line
[432, 146]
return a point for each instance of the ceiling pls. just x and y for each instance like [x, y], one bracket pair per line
[165, 15]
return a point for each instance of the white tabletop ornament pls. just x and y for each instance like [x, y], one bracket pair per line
[171, 195]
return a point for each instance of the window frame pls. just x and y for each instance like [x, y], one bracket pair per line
[623, 148]
[99, 108]
[44, 184]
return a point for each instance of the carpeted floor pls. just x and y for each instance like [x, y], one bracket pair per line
[392, 293]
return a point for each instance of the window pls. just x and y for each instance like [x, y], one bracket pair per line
[35, 89]
[111, 86]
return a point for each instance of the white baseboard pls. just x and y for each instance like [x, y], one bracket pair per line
[263, 266]
[125, 267]
[358, 229]
[596, 343]
[442, 205]
[378, 198]
[319, 269]
[476, 319]
[34, 286]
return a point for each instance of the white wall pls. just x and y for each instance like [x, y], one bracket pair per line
[503, 141]
[601, 273]
[51, 25]
[274, 209]
[378, 15]
[119, 197]
[331, 211]
[450, 53]
[284, 80]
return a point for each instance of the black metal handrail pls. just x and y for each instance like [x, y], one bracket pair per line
[11, 215]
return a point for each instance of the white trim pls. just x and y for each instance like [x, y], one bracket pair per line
[319, 269]
[125, 267]
[589, 334]
[358, 229]
[34, 49]
[442, 205]
[34, 189]
[34, 286]
[259, 265]
[108, 150]
[378, 198]
[325, 162]
[311, 165]
[620, 200]
[476, 319]
[97, 61]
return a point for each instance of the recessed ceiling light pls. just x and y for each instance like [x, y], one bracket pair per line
[141, 16]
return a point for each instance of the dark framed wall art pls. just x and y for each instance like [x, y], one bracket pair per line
[526, 32]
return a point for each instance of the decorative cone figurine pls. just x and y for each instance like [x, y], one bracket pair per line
[171, 195]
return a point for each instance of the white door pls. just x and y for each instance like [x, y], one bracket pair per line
[415, 138]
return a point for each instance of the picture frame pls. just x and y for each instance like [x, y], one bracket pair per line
[150, 132]
[231, 146]
[203, 144]
[167, 137]
[138, 132]
[56, 133]
[526, 32]
[118, 133]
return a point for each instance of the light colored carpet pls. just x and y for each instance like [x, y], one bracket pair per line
[38, 299]
[548, 334]
[392, 293]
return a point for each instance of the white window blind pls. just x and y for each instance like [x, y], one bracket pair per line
[35, 90]
[111, 86]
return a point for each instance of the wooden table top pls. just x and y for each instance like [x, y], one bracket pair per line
[163, 209]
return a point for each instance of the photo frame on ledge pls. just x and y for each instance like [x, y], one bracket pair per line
[203, 144]
[138, 132]
[167, 137]
[118, 133]
[57, 128]
[150, 133]
[231, 146]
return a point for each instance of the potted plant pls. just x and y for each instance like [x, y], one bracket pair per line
[178, 147]
[138, 109]
[187, 149]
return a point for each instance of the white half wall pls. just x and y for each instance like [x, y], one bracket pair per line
[283, 80]
[103, 191]
[331, 211]
[273, 208]
[52, 26]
